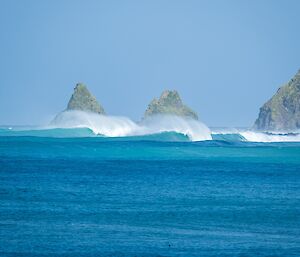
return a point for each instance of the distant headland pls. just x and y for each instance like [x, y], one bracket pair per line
[282, 111]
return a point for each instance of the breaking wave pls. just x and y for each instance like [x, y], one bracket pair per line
[266, 137]
[254, 136]
[71, 124]
[115, 126]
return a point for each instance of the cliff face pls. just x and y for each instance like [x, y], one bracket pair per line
[169, 103]
[83, 100]
[282, 111]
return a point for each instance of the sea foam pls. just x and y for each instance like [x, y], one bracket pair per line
[239, 134]
[265, 137]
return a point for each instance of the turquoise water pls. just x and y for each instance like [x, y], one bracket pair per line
[155, 195]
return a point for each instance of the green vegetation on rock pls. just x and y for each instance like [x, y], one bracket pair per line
[282, 111]
[83, 100]
[169, 103]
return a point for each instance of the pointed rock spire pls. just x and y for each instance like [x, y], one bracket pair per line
[83, 100]
[169, 103]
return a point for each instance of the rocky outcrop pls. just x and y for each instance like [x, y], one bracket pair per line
[169, 103]
[282, 111]
[83, 100]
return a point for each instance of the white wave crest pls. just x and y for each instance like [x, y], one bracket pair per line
[255, 136]
[194, 129]
[269, 137]
[116, 126]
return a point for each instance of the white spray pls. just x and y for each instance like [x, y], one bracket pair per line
[116, 126]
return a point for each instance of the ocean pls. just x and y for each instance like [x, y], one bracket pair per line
[69, 192]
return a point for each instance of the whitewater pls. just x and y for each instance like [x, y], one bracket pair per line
[158, 127]
[116, 126]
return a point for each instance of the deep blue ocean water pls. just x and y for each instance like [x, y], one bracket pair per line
[147, 197]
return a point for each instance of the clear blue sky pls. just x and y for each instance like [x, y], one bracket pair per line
[226, 58]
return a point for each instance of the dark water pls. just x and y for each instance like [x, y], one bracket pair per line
[98, 197]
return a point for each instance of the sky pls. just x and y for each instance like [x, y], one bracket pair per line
[225, 58]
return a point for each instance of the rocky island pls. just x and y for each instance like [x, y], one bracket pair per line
[83, 100]
[282, 111]
[169, 103]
